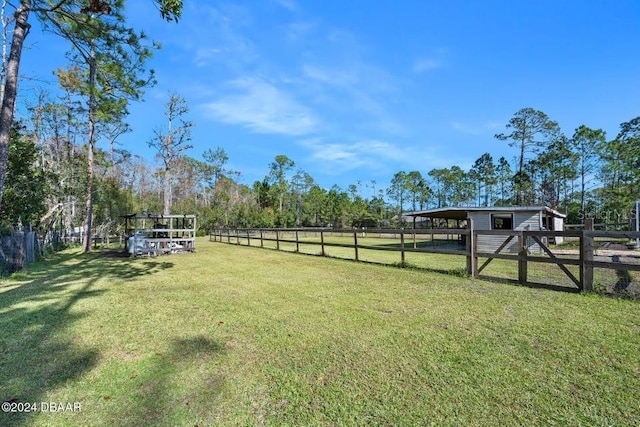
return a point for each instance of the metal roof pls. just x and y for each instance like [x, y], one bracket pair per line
[155, 216]
[462, 212]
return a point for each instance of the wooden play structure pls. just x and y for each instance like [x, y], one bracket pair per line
[151, 234]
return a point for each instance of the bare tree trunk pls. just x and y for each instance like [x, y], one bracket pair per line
[3, 75]
[20, 32]
[86, 242]
[167, 193]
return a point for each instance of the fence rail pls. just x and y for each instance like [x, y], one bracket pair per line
[523, 249]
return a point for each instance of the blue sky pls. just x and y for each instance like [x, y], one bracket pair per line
[358, 90]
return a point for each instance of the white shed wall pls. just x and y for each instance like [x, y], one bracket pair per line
[521, 221]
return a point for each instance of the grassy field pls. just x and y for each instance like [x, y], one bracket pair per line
[242, 336]
[608, 281]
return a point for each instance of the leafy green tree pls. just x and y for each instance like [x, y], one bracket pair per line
[418, 189]
[529, 131]
[108, 71]
[397, 191]
[504, 177]
[586, 143]
[278, 170]
[337, 206]
[27, 186]
[461, 189]
[439, 177]
[317, 205]
[56, 15]
[453, 186]
[483, 172]
[556, 170]
[301, 184]
[378, 209]
[621, 163]
[216, 160]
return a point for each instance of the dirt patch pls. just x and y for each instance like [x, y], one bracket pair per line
[613, 246]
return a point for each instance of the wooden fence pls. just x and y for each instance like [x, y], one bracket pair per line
[18, 250]
[520, 249]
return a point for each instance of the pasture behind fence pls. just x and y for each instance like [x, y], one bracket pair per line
[521, 256]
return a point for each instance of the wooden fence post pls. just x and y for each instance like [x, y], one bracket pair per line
[248, 239]
[297, 243]
[522, 258]
[277, 240]
[261, 239]
[402, 254]
[355, 244]
[18, 250]
[29, 249]
[322, 242]
[472, 258]
[586, 261]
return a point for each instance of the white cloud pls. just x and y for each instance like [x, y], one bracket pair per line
[355, 88]
[263, 108]
[299, 31]
[204, 54]
[340, 157]
[426, 64]
[288, 4]
[341, 77]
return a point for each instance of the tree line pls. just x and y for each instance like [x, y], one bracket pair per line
[54, 175]
[578, 174]
[106, 71]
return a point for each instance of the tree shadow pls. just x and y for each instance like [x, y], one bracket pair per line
[160, 396]
[38, 352]
[530, 284]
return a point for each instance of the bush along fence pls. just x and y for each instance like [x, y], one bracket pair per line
[605, 261]
[19, 249]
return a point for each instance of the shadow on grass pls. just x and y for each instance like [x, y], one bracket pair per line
[533, 285]
[162, 397]
[38, 351]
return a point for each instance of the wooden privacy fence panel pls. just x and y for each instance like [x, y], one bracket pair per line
[18, 250]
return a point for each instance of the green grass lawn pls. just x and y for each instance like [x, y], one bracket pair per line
[607, 281]
[242, 336]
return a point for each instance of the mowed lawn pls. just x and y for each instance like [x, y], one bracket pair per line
[246, 336]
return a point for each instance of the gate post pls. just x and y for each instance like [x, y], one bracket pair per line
[522, 258]
[586, 261]
[472, 258]
[355, 244]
